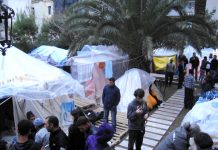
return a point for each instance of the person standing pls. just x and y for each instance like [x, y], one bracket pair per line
[181, 73]
[204, 63]
[194, 60]
[208, 64]
[58, 139]
[170, 69]
[76, 138]
[189, 90]
[23, 142]
[42, 135]
[137, 115]
[110, 99]
[214, 63]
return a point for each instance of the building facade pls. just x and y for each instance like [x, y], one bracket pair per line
[42, 11]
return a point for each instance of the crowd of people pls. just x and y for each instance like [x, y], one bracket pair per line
[43, 134]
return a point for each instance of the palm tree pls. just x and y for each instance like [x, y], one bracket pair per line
[136, 26]
[200, 7]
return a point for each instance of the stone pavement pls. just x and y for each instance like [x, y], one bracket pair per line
[159, 122]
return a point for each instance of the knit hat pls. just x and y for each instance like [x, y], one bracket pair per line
[38, 122]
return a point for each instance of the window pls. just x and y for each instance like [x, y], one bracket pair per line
[33, 11]
[49, 10]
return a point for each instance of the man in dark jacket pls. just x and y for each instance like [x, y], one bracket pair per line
[137, 115]
[194, 60]
[214, 63]
[111, 98]
[58, 139]
[76, 138]
[23, 143]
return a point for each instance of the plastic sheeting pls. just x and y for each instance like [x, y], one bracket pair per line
[160, 62]
[50, 54]
[206, 116]
[24, 76]
[129, 82]
[90, 55]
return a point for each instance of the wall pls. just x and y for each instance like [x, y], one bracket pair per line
[40, 11]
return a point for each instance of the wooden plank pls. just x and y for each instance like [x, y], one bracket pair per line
[166, 122]
[120, 148]
[173, 104]
[144, 147]
[169, 110]
[150, 142]
[157, 125]
[152, 136]
[124, 143]
[165, 113]
[163, 117]
[173, 108]
[155, 130]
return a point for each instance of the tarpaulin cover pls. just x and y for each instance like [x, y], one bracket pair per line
[27, 77]
[206, 116]
[160, 62]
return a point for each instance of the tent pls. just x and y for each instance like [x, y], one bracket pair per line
[206, 116]
[50, 54]
[161, 57]
[94, 64]
[129, 82]
[35, 85]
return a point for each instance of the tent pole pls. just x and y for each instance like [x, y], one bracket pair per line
[5, 101]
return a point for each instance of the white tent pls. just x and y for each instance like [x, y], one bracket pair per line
[129, 82]
[35, 85]
[50, 54]
[94, 64]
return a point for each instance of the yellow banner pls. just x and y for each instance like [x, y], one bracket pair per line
[160, 62]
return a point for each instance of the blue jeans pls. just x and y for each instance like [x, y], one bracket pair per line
[113, 115]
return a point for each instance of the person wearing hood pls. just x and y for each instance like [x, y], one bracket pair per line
[23, 142]
[179, 138]
[110, 99]
[99, 141]
[42, 135]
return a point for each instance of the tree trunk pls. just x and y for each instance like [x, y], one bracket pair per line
[200, 7]
[139, 61]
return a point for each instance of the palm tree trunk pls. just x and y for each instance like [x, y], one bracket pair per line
[139, 61]
[200, 7]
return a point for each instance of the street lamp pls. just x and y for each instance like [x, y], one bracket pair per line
[6, 15]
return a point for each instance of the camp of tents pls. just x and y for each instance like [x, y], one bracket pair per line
[35, 85]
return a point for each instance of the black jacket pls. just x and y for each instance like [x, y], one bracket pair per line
[214, 64]
[58, 139]
[76, 138]
[194, 61]
[111, 96]
[29, 145]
